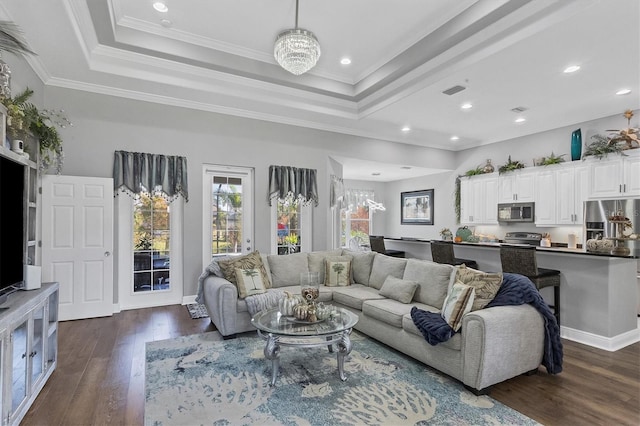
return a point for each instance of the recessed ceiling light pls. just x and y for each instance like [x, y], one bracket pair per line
[375, 174]
[454, 138]
[345, 61]
[520, 120]
[623, 92]
[160, 6]
[466, 106]
[572, 68]
[406, 129]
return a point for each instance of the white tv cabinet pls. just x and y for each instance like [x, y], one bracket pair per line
[28, 348]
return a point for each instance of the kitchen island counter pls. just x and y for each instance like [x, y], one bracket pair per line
[598, 291]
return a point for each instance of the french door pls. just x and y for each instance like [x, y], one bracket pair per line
[227, 211]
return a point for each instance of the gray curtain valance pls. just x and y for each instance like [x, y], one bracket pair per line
[138, 172]
[292, 183]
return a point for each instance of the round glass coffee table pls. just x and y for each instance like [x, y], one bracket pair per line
[279, 330]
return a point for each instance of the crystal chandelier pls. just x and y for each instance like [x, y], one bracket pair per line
[297, 50]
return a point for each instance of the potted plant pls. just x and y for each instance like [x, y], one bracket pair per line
[510, 166]
[24, 117]
[553, 159]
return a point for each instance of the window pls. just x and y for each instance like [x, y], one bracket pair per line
[226, 218]
[151, 244]
[356, 227]
[292, 227]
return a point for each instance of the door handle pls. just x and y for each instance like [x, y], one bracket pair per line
[107, 253]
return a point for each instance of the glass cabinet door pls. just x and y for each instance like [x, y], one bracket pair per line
[37, 346]
[20, 358]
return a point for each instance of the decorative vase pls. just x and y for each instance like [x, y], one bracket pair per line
[488, 168]
[309, 286]
[576, 145]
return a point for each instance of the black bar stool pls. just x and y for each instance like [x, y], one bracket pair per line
[522, 260]
[377, 244]
[442, 252]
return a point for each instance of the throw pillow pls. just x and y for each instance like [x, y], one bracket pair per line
[361, 265]
[316, 261]
[249, 282]
[248, 261]
[383, 266]
[457, 303]
[397, 289]
[486, 284]
[337, 271]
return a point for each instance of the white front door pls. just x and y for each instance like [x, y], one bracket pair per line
[77, 243]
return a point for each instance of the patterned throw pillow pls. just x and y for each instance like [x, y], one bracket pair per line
[337, 271]
[249, 282]
[457, 304]
[486, 284]
[248, 261]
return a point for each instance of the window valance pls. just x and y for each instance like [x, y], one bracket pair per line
[292, 183]
[355, 198]
[138, 172]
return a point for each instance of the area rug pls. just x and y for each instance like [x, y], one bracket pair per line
[196, 310]
[200, 380]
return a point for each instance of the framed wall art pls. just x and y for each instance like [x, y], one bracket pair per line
[416, 207]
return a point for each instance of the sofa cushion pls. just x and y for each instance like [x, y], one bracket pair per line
[337, 271]
[286, 269]
[361, 265]
[486, 284]
[248, 261]
[354, 295]
[399, 290]
[249, 282]
[386, 310]
[383, 266]
[434, 280]
[409, 326]
[316, 261]
[457, 303]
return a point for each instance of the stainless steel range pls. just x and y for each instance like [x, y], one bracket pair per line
[530, 238]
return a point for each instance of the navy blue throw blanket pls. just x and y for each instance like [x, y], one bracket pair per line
[515, 289]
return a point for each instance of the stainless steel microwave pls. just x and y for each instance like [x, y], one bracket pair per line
[516, 212]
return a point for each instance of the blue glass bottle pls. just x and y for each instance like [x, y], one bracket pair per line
[576, 145]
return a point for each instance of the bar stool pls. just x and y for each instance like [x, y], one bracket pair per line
[522, 260]
[442, 252]
[377, 245]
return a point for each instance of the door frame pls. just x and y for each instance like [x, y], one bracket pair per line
[127, 298]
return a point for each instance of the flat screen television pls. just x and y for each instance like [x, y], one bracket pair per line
[11, 226]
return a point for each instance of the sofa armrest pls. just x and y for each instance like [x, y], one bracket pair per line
[221, 299]
[501, 342]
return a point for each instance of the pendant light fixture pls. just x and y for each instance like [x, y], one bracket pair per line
[297, 50]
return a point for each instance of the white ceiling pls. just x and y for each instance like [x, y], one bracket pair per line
[218, 56]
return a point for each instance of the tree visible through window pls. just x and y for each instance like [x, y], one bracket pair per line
[151, 250]
[356, 227]
[289, 238]
[226, 215]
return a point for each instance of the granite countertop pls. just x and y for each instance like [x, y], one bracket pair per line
[635, 252]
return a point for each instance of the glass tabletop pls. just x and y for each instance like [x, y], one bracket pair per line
[272, 321]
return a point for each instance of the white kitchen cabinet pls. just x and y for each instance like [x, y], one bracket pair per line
[615, 176]
[29, 348]
[478, 200]
[560, 192]
[517, 186]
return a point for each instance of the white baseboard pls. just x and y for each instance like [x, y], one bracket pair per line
[610, 344]
[187, 300]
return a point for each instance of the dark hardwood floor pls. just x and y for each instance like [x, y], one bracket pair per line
[100, 376]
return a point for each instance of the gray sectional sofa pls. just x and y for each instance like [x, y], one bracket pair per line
[494, 344]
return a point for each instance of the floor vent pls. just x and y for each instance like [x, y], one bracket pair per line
[453, 90]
